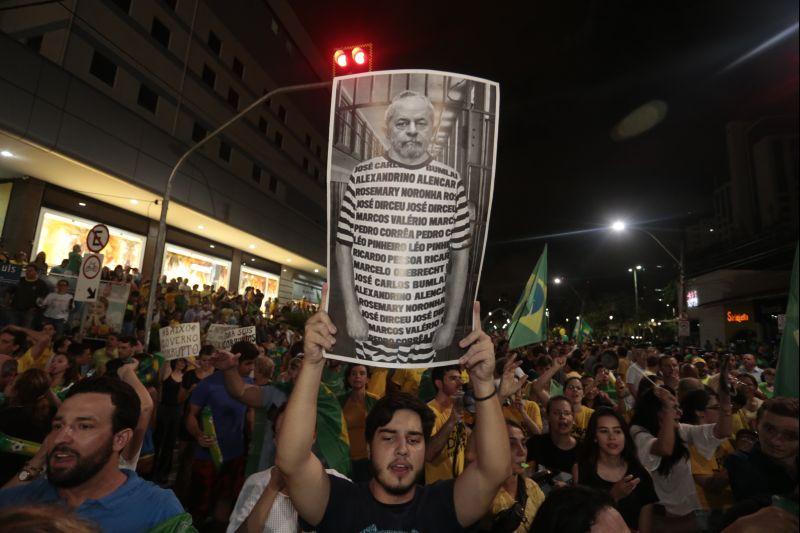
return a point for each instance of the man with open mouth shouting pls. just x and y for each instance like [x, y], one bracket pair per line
[398, 429]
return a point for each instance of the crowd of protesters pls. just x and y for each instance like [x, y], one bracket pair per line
[562, 436]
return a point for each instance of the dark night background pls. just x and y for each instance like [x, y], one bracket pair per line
[569, 71]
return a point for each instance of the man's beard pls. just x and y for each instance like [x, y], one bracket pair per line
[85, 467]
[395, 490]
[411, 149]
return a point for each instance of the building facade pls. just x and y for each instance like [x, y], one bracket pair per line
[100, 99]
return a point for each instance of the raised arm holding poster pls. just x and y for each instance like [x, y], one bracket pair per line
[410, 170]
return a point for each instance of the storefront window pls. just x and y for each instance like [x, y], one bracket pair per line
[58, 232]
[258, 279]
[197, 268]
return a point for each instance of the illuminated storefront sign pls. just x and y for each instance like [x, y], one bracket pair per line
[737, 317]
[58, 232]
[692, 299]
[198, 269]
[258, 279]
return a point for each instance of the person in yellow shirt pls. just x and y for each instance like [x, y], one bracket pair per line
[103, 355]
[407, 380]
[444, 455]
[518, 499]
[40, 351]
[523, 412]
[701, 407]
[377, 382]
[573, 389]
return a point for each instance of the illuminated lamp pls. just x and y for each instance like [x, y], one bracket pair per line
[340, 58]
[359, 56]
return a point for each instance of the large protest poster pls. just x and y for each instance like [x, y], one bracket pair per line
[410, 177]
[105, 315]
[223, 337]
[181, 340]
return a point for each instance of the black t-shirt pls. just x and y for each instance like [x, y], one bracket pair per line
[352, 508]
[542, 450]
[631, 505]
[190, 379]
[169, 391]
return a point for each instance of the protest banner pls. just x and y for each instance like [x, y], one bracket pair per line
[105, 315]
[222, 336]
[179, 341]
[411, 170]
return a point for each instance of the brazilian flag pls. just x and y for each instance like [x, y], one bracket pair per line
[333, 440]
[582, 330]
[529, 323]
[786, 375]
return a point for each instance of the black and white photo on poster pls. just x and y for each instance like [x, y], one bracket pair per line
[411, 166]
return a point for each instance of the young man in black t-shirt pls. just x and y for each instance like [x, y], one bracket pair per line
[397, 430]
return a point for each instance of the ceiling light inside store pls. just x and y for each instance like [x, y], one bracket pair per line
[82, 204]
[6, 153]
[211, 246]
[252, 246]
[201, 227]
[134, 201]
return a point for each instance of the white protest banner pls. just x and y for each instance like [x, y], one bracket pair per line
[215, 335]
[224, 339]
[408, 212]
[179, 341]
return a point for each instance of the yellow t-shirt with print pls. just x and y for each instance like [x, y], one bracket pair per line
[450, 461]
[582, 422]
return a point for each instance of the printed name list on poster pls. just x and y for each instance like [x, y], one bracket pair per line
[408, 212]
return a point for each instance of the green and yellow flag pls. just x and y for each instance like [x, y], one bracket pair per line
[332, 438]
[786, 376]
[582, 330]
[529, 323]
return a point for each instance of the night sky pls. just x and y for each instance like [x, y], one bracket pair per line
[568, 72]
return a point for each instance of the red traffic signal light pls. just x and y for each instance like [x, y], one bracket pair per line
[340, 58]
[359, 56]
[352, 59]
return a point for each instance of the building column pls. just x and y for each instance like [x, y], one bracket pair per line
[286, 286]
[236, 270]
[22, 216]
[149, 249]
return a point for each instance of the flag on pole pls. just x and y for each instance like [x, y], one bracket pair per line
[582, 330]
[786, 378]
[529, 323]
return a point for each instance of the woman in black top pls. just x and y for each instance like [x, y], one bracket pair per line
[168, 419]
[607, 461]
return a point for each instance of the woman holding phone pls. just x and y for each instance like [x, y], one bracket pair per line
[607, 461]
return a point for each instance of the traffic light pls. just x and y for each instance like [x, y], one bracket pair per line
[352, 59]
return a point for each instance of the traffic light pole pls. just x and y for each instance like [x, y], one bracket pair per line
[162, 222]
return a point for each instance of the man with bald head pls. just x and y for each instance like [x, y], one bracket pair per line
[402, 243]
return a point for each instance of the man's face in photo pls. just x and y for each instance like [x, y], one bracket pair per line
[410, 129]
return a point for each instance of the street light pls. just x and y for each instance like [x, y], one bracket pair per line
[557, 281]
[620, 226]
[162, 222]
[611, 317]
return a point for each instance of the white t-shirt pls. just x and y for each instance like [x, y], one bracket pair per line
[57, 305]
[282, 517]
[677, 491]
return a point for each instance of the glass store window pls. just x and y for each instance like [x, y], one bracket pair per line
[58, 232]
[258, 279]
[198, 268]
